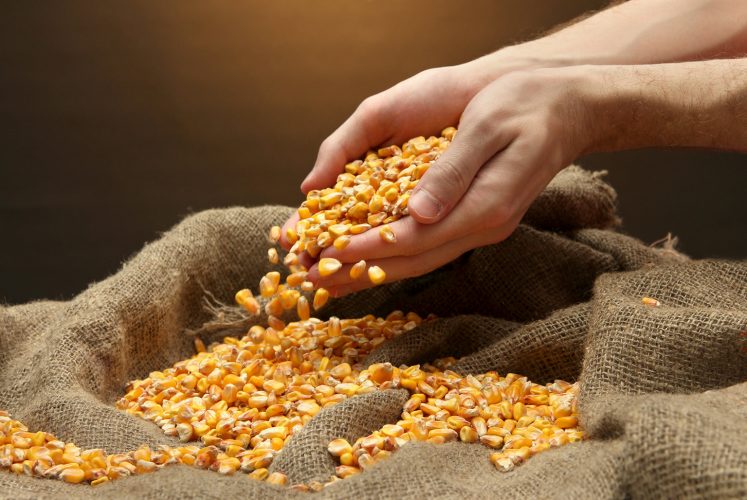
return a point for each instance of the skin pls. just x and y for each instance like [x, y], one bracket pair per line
[527, 111]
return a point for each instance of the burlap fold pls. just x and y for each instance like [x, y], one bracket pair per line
[664, 392]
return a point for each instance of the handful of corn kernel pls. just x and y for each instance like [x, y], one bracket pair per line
[372, 192]
[240, 401]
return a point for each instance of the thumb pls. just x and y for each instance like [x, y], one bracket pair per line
[450, 176]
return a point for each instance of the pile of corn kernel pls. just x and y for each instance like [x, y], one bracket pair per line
[243, 398]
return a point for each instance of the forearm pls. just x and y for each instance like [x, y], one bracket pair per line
[694, 104]
[640, 32]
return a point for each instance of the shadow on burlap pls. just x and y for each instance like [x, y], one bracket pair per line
[664, 390]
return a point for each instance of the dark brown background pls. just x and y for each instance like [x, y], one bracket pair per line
[120, 118]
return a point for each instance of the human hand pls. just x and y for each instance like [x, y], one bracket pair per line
[514, 136]
[424, 104]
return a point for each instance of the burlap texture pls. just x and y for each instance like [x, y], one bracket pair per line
[664, 390]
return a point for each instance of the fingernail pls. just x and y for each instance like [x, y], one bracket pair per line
[425, 204]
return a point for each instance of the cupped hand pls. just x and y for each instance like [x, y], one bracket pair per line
[514, 136]
[424, 104]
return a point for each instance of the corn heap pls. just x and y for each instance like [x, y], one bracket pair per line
[244, 398]
[41, 454]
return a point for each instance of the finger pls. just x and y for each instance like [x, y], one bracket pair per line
[412, 237]
[449, 178]
[398, 268]
[501, 193]
[306, 260]
[368, 126]
[505, 186]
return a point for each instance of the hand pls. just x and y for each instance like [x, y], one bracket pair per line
[514, 136]
[421, 105]
[424, 104]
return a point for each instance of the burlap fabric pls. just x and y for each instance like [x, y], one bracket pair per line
[664, 390]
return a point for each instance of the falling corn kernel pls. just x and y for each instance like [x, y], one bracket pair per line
[290, 259]
[199, 345]
[320, 298]
[272, 256]
[329, 266]
[302, 308]
[274, 234]
[376, 275]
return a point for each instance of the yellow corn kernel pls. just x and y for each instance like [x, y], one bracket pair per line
[337, 230]
[386, 234]
[277, 478]
[381, 372]
[468, 434]
[648, 301]
[330, 200]
[358, 211]
[358, 269]
[342, 242]
[339, 447]
[266, 288]
[359, 228]
[72, 475]
[343, 471]
[320, 298]
[566, 422]
[302, 308]
[329, 266]
[341, 371]
[289, 298]
[245, 299]
[304, 212]
[199, 347]
[101, 480]
[290, 259]
[376, 275]
[376, 204]
[272, 256]
[291, 235]
[295, 279]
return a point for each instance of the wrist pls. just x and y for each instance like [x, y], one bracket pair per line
[480, 72]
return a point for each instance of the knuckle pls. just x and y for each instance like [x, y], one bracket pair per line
[429, 73]
[491, 215]
[370, 107]
[420, 267]
[328, 146]
[450, 174]
[500, 213]
[522, 81]
[412, 247]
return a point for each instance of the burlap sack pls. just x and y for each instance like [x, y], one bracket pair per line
[664, 391]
